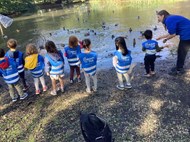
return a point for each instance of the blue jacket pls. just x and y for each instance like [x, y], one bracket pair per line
[72, 55]
[8, 69]
[18, 58]
[124, 62]
[89, 62]
[178, 25]
[54, 63]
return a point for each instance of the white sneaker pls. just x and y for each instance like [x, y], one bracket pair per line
[119, 87]
[128, 86]
[88, 91]
[54, 93]
[15, 99]
[24, 96]
[94, 89]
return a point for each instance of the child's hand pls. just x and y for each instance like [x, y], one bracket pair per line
[48, 74]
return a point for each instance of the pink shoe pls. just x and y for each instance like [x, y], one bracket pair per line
[37, 92]
[45, 89]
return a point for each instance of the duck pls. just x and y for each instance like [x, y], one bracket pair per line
[134, 42]
[130, 30]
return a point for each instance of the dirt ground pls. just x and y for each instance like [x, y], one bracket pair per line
[156, 109]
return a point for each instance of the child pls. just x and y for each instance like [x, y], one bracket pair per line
[71, 53]
[54, 66]
[88, 60]
[122, 61]
[18, 58]
[8, 69]
[35, 63]
[150, 47]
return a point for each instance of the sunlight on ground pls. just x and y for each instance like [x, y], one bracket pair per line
[151, 121]
[149, 125]
[156, 104]
[56, 107]
[158, 84]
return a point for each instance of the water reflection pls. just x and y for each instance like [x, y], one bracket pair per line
[117, 15]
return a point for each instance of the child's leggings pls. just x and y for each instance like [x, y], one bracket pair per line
[36, 82]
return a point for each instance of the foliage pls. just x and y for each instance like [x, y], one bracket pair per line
[15, 6]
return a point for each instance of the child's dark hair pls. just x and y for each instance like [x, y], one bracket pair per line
[148, 34]
[2, 53]
[120, 44]
[86, 43]
[12, 43]
[50, 47]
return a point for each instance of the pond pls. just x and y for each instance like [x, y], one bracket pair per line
[86, 20]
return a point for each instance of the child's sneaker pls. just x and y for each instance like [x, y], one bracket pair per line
[24, 96]
[45, 88]
[37, 92]
[128, 86]
[147, 75]
[94, 89]
[62, 90]
[153, 72]
[25, 88]
[119, 87]
[54, 93]
[88, 91]
[79, 79]
[15, 99]
[71, 81]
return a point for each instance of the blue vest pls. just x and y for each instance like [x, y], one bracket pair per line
[57, 66]
[89, 61]
[38, 71]
[10, 74]
[123, 63]
[150, 47]
[18, 60]
[72, 55]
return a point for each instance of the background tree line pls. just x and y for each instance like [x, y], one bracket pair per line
[11, 7]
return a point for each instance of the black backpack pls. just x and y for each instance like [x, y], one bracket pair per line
[95, 129]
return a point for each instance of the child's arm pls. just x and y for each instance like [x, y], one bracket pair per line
[47, 66]
[143, 49]
[158, 49]
[114, 61]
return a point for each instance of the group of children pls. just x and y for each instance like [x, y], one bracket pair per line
[13, 64]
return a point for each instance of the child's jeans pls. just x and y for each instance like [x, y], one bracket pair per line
[149, 63]
[120, 78]
[87, 80]
[18, 86]
[36, 82]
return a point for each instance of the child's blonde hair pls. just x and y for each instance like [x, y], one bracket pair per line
[31, 49]
[73, 41]
[12, 43]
